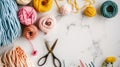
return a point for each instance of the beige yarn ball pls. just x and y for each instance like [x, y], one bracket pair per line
[23, 2]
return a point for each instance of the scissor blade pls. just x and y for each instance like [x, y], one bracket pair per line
[47, 45]
[54, 45]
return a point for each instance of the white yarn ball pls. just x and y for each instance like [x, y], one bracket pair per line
[23, 2]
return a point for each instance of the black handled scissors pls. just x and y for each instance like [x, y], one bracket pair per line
[54, 58]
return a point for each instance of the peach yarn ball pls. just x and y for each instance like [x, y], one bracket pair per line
[30, 32]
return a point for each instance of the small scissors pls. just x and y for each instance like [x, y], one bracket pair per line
[54, 58]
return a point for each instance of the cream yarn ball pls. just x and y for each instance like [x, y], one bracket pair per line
[23, 2]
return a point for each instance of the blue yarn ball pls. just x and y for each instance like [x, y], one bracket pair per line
[109, 9]
[10, 27]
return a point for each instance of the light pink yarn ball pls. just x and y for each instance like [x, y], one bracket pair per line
[46, 23]
[65, 9]
[27, 15]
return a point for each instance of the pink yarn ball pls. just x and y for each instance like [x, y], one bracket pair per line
[27, 15]
[46, 23]
[65, 9]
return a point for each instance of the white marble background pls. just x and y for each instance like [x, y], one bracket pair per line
[79, 37]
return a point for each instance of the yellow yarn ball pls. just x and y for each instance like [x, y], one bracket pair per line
[110, 59]
[43, 5]
[90, 11]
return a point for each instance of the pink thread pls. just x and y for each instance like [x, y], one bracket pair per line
[34, 52]
[46, 23]
[27, 15]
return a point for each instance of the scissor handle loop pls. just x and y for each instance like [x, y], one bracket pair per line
[45, 59]
[56, 59]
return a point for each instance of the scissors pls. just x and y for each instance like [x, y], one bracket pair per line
[54, 58]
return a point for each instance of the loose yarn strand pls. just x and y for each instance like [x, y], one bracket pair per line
[31, 45]
[90, 2]
[10, 27]
[34, 52]
[57, 4]
[74, 5]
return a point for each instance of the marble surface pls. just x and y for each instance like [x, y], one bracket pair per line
[79, 37]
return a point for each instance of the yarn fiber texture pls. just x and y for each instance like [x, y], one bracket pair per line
[23, 2]
[16, 57]
[43, 5]
[10, 28]
[65, 9]
[109, 9]
[90, 11]
[30, 32]
[46, 23]
[27, 15]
